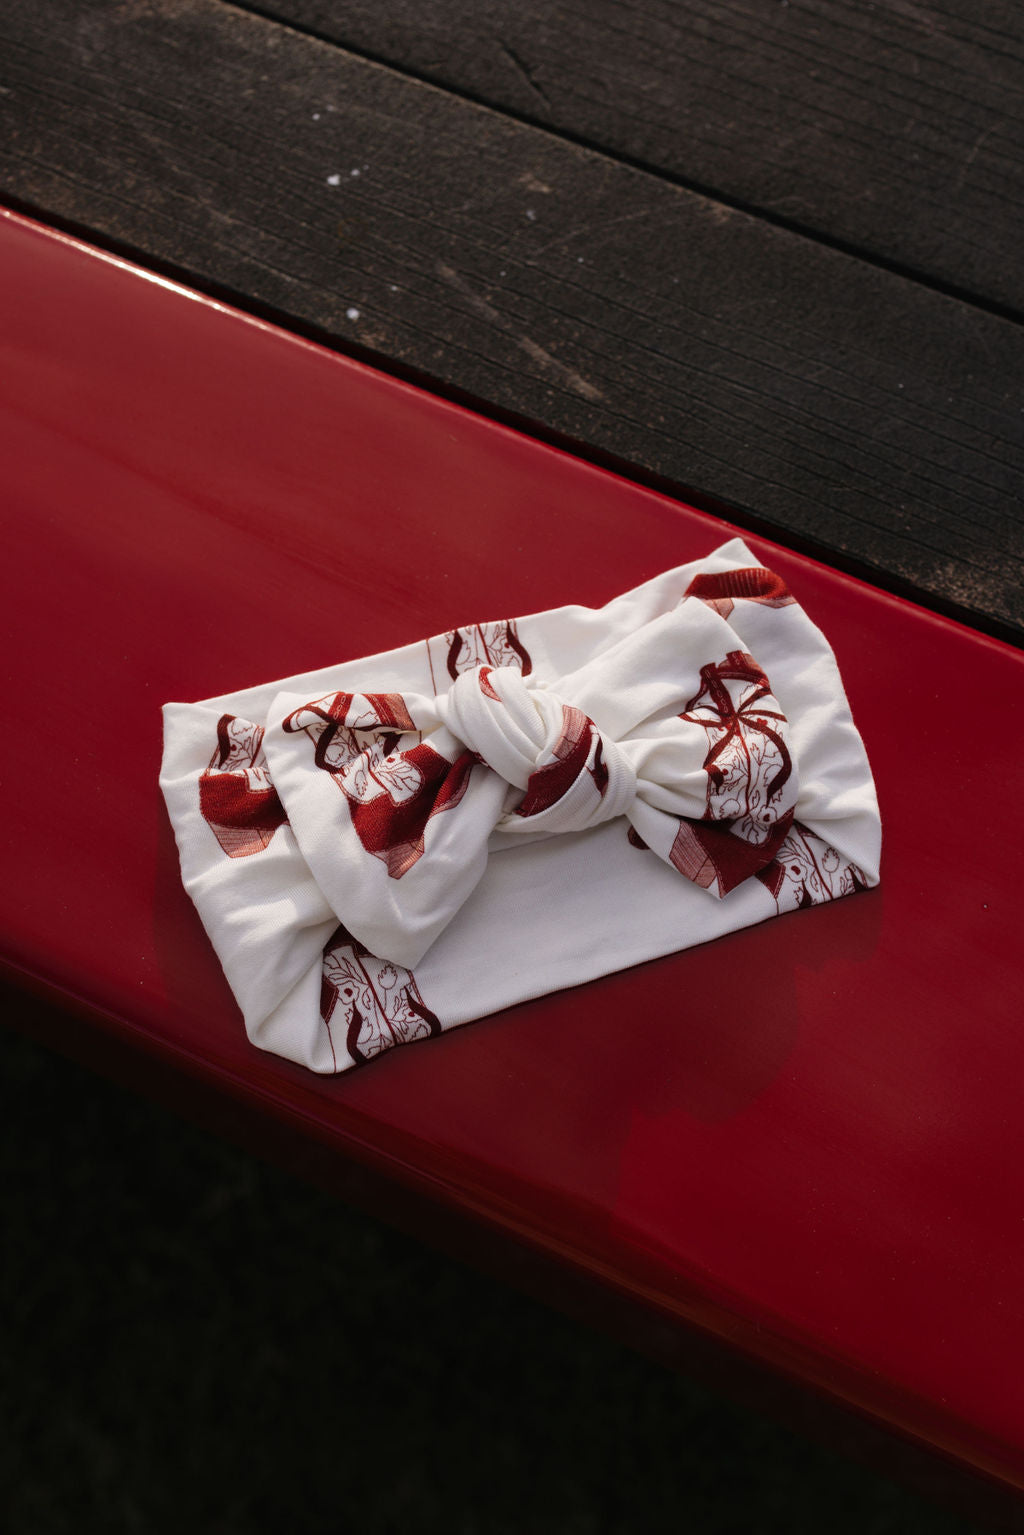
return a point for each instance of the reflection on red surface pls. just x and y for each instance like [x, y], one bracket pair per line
[805, 1137]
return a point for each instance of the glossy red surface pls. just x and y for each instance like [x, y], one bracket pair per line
[804, 1138]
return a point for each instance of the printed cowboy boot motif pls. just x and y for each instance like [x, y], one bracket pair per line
[806, 871]
[377, 1003]
[460, 650]
[748, 761]
[236, 797]
[748, 765]
[391, 793]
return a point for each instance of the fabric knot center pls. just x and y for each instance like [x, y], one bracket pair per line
[571, 776]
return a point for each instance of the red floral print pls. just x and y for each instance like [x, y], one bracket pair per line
[392, 793]
[806, 871]
[378, 1003]
[495, 644]
[236, 797]
[748, 765]
[748, 762]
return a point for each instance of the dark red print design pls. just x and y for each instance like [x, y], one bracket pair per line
[391, 793]
[236, 797]
[748, 765]
[748, 762]
[806, 871]
[496, 644]
[378, 1004]
[580, 738]
[714, 857]
[752, 583]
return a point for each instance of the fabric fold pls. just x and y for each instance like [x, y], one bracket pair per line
[679, 761]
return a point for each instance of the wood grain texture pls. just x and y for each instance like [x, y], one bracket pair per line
[894, 128]
[834, 401]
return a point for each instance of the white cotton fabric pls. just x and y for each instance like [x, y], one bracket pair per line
[579, 761]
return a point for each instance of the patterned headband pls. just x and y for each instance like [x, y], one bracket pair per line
[399, 844]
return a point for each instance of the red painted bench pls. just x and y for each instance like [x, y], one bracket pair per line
[803, 1139]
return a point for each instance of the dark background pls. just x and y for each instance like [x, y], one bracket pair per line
[193, 1340]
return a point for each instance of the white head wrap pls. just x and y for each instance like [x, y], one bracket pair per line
[399, 844]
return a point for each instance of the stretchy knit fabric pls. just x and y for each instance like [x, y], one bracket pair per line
[402, 843]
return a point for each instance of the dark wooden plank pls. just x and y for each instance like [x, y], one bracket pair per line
[896, 129]
[831, 400]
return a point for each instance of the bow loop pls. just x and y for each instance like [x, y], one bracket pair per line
[571, 776]
[693, 756]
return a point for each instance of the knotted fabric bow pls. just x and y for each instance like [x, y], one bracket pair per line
[514, 807]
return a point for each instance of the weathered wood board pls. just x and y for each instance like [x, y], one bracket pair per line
[847, 407]
[896, 129]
